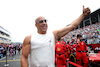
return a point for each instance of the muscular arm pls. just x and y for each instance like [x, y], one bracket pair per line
[60, 33]
[25, 51]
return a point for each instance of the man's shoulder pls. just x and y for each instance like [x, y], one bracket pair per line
[55, 32]
[28, 36]
[27, 39]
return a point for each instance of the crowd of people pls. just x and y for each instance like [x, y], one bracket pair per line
[90, 32]
[70, 44]
[11, 49]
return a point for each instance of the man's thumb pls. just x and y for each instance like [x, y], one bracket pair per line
[83, 7]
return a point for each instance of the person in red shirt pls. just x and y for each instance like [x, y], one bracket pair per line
[60, 54]
[62, 41]
[71, 44]
[68, 48]
[81, 49]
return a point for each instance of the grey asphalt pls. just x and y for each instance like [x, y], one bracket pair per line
[13, 62]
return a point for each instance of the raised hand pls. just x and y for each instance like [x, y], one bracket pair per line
[86, 11]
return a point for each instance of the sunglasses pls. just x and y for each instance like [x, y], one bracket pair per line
[41, 21]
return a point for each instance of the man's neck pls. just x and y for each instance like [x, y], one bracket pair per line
[42, 32]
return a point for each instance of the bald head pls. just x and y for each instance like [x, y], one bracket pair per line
[39, 18]
[41, 25]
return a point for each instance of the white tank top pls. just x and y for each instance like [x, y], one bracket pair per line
[42, 52]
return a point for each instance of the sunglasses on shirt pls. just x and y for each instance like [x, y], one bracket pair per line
[41, 21]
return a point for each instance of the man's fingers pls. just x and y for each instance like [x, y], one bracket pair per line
[88, 9]
[88, 12]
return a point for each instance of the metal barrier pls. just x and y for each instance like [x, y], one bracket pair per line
[6, 65]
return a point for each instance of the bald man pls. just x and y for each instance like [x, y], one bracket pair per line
[41, 45]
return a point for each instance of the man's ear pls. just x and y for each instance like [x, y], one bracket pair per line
[36, 25]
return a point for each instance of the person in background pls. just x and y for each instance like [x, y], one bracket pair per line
[68, 50]
[81, 51]
[19, 48]
[15, 48]
[60, 53]
[10, 46]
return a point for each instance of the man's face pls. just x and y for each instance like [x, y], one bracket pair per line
[41, 25]
[79, 39]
